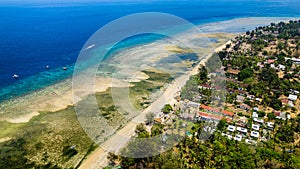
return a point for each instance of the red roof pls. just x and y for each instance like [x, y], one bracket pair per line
[209, 108]
[206, 85]
[245, 106]
[228, 113]
[213, 116]
[218, 87]
[271, 61]
[284, 101]
[204, 107]
[277, 113]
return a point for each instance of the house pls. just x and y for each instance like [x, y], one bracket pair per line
[296, 61]
[258, 120]
[295, 92]
[157, 120]
[204, 86]
[255, 109]
[238, 137]
[273, 66]
[291, 103]
[280, 115]
[258, 99]
[254, 134]
[206, 116]
[255, 127]
[193, 104]
[229, 136]
[233, 71]
[240, 99]
[248, 141]
[210, 109]
[284, 101]
[242, 130]
[281, 67]
[270, 61]
[259, 64]
[254, 115]
[250, 97]
[292, 97]
[227, 113]
[245, 107]
[231, 128]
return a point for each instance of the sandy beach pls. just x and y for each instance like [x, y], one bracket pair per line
[60, 95]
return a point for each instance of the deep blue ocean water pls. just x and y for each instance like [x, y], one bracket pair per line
[34, 35]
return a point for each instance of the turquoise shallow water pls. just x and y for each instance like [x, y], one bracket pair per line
[35, 35]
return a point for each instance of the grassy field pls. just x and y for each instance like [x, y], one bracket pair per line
[57, 140]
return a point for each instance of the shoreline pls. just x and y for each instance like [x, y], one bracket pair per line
[64, 85]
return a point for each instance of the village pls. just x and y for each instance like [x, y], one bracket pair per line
[261, 77]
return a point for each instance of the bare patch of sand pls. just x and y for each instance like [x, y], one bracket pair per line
[4, 139]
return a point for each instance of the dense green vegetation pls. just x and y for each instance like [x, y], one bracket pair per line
[220, 152]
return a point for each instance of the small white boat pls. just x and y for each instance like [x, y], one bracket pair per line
[47, 67]
[90, 47]
[65, 68]
[15, 76]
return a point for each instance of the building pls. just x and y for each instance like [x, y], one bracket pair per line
[254, 115]
[270, 125]
[270, 61]
[280, 115]
[210, 109]
[227, 113]
[255, 127]
[242, 130]
[248, 141]
[238, 137]
[240, 99]
[231, 128]
[254, 134]
[258, 120]
[296, 61]
[284, 101]
[233, 72]
[292, 97]
[245, 107]
[281, 67]
[188, 103]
